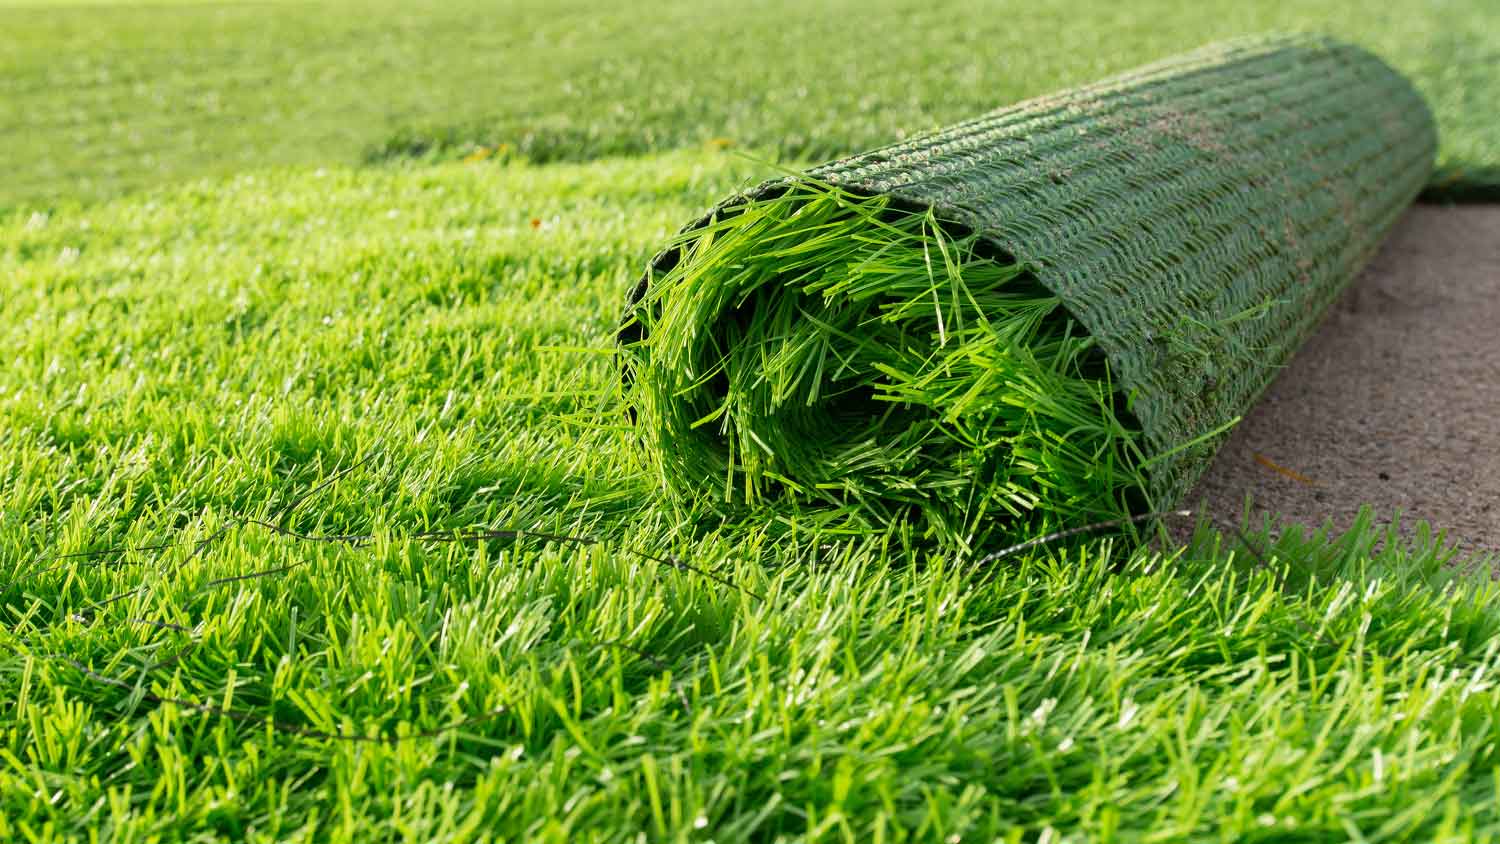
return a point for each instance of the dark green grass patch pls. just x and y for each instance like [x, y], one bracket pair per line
[102, 97]
[819, 349]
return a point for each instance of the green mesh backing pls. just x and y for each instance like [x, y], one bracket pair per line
[1197, 215]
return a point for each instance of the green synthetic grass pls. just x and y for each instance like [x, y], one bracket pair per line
[389, 352]
[206, 386]
[828, 351]
[103, 97]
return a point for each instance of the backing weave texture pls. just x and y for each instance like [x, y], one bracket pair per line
[1197, 215]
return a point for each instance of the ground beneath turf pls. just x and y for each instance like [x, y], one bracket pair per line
[1396, 400]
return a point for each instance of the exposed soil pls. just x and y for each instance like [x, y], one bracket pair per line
[1395, 402]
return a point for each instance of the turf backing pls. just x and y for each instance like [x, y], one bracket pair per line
[1195, 217]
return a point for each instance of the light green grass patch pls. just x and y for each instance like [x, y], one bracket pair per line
[186, 359]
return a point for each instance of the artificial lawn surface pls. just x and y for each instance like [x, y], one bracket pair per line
[100, 98]
[392, 351]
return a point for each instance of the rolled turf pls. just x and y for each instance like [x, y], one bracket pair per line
[1041, 317]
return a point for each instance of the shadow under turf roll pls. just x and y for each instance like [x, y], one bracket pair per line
[1044, 316]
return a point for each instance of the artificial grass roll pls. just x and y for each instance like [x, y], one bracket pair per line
[1046, 315]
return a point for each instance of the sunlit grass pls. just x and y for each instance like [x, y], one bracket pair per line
[384, 353]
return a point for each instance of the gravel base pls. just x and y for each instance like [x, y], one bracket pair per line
[1394, 403]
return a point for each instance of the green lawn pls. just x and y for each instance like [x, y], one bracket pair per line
[392, 351]
[95, 99]
[321, 517]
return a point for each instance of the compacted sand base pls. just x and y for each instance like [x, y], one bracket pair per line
[1394, 403]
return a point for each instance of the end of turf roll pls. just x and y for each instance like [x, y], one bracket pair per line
[830, 350]
[1045, 316]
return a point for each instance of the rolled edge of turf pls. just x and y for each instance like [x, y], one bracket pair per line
[1197, 216]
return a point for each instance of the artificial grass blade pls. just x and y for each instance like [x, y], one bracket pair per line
[866, 360]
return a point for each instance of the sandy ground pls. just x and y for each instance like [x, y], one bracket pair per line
[1396, 400]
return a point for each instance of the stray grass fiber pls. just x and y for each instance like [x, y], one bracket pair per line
[820, 348]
